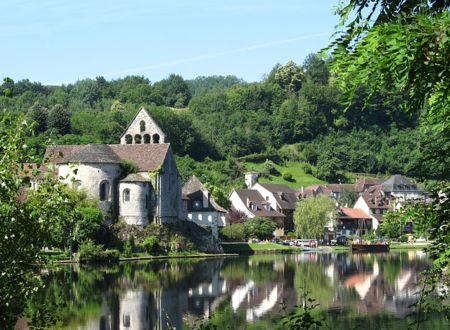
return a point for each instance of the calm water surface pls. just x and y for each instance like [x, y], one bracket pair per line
[354, 292]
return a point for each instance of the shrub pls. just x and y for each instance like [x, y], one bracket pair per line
[270, 169]
[287, 176]
[307, 168]
[151, 244]
[234, 232]
[128, 247]
[404, 238]
[261, 228]
[178, 243]
[88, 226]
[91, 252]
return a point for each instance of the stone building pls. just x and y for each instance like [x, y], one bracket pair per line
[201, 207]
[152, 194]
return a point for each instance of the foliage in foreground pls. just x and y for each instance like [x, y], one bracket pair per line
[27, 219]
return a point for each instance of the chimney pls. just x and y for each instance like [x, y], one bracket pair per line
[251, 178]
[205, 199]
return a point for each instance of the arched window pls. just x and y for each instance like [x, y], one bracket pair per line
[104, 190]
[142, 125]
[137, 139]
[147, 139]
[155, 138]
[126, 195]
[128, 139]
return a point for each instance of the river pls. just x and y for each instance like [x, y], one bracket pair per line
[353, 291]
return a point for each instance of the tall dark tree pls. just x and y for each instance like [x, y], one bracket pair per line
[59, 119]
[316, 69]
[174, 91]
[38, 114]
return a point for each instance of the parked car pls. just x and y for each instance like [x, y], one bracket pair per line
[421, 240]
[340, 240]
[309, 243]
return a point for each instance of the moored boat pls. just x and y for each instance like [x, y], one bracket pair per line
[374, 247]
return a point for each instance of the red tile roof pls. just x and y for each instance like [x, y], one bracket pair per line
[353, 213]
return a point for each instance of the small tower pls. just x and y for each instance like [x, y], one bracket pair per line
[251, 178]
[143, 129]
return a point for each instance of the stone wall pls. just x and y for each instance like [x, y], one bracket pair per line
[151, 129]
[90, 177]
[137, 209]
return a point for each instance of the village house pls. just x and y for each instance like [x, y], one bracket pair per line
[152, 194]
[253, 204]
[281, 198]
[391, 194]
[201, 208]
[352, 221]
[269, 200]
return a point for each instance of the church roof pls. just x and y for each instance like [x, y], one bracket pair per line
[147, 157]
[134, 177]
[95, 153]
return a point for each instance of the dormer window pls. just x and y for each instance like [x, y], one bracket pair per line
[253, 206]
[197, 205]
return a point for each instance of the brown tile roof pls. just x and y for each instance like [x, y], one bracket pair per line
[340, 187]
[147, 157]
[363, 184]
[352, 213]
[374, 198]
[255, 197]
[285, 196]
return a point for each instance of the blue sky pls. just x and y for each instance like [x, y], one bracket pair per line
[59, 41]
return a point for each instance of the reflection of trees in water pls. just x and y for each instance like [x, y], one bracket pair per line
[239, 289]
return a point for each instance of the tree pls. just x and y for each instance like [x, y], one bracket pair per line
[312, 214]
[59, 119]
[316, 69]
[26, 218]
[404, 47]
[38, 114]
[290, 76]
[259, 227]
[174, 91]
[393, 224]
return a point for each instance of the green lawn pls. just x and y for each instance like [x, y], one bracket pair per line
[254, 247]
[300, 178]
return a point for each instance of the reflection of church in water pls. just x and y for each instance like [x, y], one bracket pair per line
[193, 301]
[256, 290]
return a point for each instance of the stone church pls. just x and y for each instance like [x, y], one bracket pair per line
[151, 194]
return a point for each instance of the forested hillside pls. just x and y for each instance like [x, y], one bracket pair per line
[217, 123]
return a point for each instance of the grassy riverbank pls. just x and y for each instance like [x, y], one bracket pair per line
[256, 248]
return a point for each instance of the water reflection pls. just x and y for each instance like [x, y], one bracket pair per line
[235, 291]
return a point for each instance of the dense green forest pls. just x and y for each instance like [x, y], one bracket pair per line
[214, 124]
